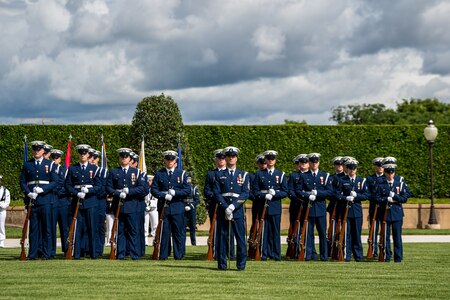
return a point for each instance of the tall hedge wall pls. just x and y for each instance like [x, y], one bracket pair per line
[406, 143]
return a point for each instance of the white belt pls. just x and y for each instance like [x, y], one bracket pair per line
[234, 195]
[84, 185]
[266, 191]
[39, 182]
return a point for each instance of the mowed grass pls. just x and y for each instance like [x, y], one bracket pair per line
[425, 273]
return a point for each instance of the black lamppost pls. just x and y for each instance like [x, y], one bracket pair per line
[430, 132]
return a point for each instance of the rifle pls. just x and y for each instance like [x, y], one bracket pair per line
[112, 240]
[301, 256]
[158, 234]
[70, 238]
[337, 231]
[331, 230]
[371, 231]
[342, 233]
[252, 240]
[382, 242]
[292, 243]
[210, 254]
[23, 256]
[260, 233]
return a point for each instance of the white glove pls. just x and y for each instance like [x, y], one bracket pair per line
[187, 208]
[353, 193]
[122, 195]
[312, 197]
[231, 207]
[148, 208]
[390, 199]
[38, 190]
[272, 192]
[168, 197]
[314, 192]
[269, 197]
[32, 196]
[81, 195]
[172, 192]
[229, 216]
[125, 190]
[350, 198]
[84, 190]
[391, 194]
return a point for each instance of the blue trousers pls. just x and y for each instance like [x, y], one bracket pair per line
[101, 218]
[141, 231]
[321, 224]
[60, 217]
[271, 244]
[173, 225]
[86, 223]
[40, 231]
[397, 238]
[353, 244]
[237, 226]
[190, 218]
[127, 236]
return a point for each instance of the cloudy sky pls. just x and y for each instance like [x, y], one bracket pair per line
[224, 62]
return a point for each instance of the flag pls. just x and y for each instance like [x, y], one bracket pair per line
[68, 152]
[104, 164]
[180, 158]
[142, 165]
[25, 149]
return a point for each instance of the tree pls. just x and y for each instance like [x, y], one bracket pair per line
[291, 122]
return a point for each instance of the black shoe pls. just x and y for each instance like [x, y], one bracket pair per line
[240, 269]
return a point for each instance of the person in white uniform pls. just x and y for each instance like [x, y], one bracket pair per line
[5, 199]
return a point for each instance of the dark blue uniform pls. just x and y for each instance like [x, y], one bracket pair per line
[141, 216]
[231, 190]
[101, 213]
[355, 215]
[60, 211]
[371, 182]
[127, 233]
[271, 245]
[41, 175]
[317, 213]
[76, 178]
[190, 216]
[173, 222]
[395, 214]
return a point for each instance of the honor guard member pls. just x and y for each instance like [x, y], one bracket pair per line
[126, 185]
[5, 199]
[151, 213]
[83, 184]
[371, 182]
[257, 206]
[171, 187]
[101, 208]
[38, 182]
[47, 151]
[231, 190]
[60, 210]
[141, 206]
[270, 187]
[351, 190]
[315, 189]
[190, 211]
[391, 193]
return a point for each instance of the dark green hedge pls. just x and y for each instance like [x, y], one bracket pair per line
[406, 143]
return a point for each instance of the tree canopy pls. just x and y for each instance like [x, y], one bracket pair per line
[413, 111]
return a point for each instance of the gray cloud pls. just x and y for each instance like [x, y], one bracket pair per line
[224, 62]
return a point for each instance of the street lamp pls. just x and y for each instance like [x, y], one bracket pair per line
[430, 132]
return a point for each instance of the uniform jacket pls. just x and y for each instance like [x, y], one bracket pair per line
[5, 198]
[231, 190]
[42, 176]
[402, 193]
[324, 190]
[209, 186]
[76, 178]
[117, 180]
[343, 189]
[263, 182]
[161, 185]
[60, 197]
[334, 185]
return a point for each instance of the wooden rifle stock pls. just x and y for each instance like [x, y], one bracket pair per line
[158, 234]
[70, 238]
[259, 234]
[252, 240]
[292, 242]
[301, 256]
[331, 228]
[210, 254]
[337, 230]
[381, 243]
[112, 240]
[371, 231]
[342, 233]
[23, 255]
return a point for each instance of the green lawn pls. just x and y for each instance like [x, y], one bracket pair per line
[425, 273]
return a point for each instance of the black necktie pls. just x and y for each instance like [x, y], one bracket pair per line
[37, 163]
[353, 181]
[270, 172]
[170, 173]
[232, 173]
[314, 175]
[83, 167]
[125, 171]
[390, 186]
